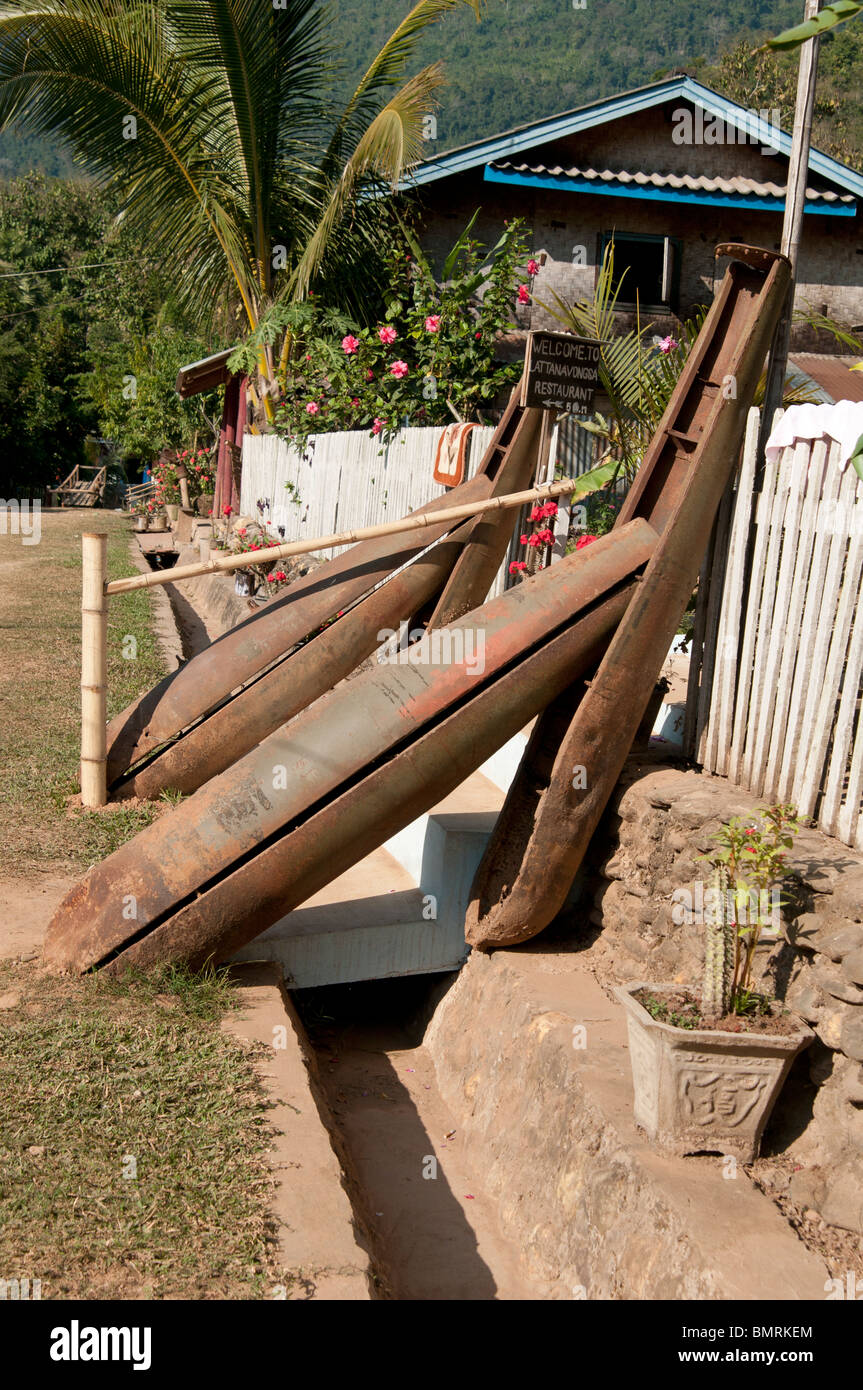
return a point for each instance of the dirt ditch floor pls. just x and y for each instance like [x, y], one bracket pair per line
[433, 1231]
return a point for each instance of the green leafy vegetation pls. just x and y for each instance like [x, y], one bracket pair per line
[431, 357]
[768, 80]
[523, 62]
[91, 337]
[217, 130]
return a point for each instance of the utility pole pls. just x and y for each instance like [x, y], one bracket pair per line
[792, 226]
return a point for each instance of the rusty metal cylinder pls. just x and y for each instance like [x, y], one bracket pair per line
[340, 740]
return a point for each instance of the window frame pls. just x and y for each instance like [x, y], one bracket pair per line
[673, 245]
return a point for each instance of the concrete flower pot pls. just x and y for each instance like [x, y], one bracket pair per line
[173, 510]
[245, 583]
[702, 1091]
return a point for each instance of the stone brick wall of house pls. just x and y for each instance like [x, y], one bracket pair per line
[568, 226]
[648, 845]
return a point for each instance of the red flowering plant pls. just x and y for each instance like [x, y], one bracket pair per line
[427, 359]
[538, 541]
[201, 468]
[164, 475]
[247, 540]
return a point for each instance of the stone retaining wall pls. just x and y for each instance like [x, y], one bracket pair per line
[649, 844]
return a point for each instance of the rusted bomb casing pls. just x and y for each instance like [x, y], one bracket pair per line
[237, 814]
[234, 728]
[239, 655]
[531, 861]
[369, 810]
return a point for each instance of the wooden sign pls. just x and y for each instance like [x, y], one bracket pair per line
[561, 372]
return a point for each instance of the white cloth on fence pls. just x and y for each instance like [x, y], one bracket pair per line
[842, 422]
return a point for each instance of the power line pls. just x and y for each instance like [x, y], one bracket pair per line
[69, 269]
[37, 308]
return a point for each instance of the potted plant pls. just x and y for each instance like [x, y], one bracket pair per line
[707, 1070]
[141, 517]
[158, 520]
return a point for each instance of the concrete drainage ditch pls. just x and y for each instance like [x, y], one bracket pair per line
[433, 1230]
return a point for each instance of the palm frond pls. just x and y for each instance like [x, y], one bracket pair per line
[389, 143]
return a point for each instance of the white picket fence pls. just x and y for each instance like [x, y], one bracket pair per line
[777, 671]
[344, 480]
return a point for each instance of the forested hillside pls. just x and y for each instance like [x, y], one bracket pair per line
[531, 58]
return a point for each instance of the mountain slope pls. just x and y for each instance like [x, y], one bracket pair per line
[532, 58]
[524, 61]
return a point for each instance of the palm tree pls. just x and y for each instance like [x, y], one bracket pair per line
[214, 123]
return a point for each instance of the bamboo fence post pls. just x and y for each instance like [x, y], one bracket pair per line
[94, 669]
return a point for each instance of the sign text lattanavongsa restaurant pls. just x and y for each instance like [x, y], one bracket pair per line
[561, 372]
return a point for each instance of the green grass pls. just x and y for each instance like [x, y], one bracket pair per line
[133, 1139]
[40, 596]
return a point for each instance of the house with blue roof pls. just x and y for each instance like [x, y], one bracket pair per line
[669, 171]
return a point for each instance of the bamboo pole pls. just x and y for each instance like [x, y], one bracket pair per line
[94, 669]
[569, 486]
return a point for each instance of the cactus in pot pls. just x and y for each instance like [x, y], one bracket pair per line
[718, 950]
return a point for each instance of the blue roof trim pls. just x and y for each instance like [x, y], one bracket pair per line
[663, 195]
[598, 113]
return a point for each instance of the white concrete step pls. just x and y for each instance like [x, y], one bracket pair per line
[400, 911]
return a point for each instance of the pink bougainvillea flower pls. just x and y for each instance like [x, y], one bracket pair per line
[350, 344]
[355, 400]
[523, 294]
[227, 511]
[536, 514]
[522, 540]
[312, 408]
[271, 579]
[517, 566]
[584, 540]
[387, 335]
[370, 376]
[534, 540]
[377, 426]
[477, 336]
[668, 345]
[399, 369]
[532, 267]
[241, 531]
[550, 509]
[433, 323]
